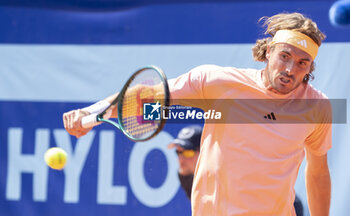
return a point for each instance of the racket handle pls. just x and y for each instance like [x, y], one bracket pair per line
[89, 121]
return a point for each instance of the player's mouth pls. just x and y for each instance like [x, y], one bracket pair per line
[285, 80]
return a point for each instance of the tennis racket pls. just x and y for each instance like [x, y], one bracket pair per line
[147, 86]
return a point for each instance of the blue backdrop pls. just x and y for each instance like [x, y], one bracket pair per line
[60, 55]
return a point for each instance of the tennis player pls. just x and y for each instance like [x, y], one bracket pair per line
[251, 169]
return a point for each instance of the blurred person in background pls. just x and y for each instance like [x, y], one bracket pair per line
[187, 144]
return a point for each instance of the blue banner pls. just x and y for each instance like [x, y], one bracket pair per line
[106, 174]
[156, 22]
[66, 54]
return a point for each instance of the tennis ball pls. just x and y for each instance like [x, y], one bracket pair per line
[55, 158]
[339, 13]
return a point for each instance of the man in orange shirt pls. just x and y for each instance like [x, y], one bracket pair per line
[187, 144]
[250, 168]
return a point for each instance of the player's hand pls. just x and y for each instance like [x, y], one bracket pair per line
[72, 122]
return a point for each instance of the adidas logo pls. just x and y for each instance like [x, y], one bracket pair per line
[302, 43]
[272, 116]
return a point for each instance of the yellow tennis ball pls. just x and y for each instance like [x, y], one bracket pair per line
[55, 158]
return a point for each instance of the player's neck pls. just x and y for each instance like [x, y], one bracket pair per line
[266, 83]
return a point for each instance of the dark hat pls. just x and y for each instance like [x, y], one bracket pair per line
[188, 138]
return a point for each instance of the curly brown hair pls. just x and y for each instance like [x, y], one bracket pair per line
[289, 21]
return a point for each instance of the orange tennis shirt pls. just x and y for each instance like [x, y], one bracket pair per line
[247, 168]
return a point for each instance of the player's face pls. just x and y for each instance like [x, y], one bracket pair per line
[187, 165]
[286, 67]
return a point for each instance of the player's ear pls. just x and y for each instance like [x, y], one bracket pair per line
[268, 50]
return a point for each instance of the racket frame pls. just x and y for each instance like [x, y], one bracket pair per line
[118, 100]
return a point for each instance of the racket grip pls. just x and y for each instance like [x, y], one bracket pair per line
[89, 121]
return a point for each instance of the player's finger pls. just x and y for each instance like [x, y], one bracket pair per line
[69, 117]
[66, 117]
[76, 120]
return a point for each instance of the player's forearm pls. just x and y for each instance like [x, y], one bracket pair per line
[319, 192]
[115, 109]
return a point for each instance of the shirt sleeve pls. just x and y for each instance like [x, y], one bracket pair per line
[320, 140]
[187, 89]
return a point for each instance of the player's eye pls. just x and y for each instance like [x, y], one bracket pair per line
[284, 56]
[303, 63]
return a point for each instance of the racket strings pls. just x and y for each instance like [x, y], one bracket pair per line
[142, 89]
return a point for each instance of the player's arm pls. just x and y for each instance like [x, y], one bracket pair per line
[318, 184]
[72, 119]
[114, 109]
